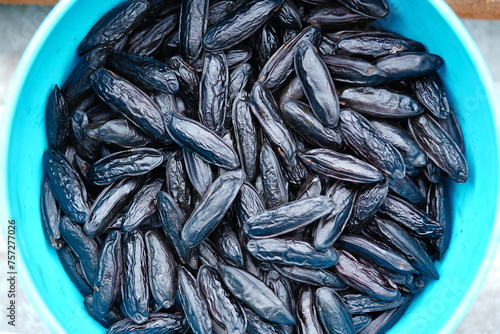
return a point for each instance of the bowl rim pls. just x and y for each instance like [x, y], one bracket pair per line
[41, 35]
[492, 99]
[6, 122]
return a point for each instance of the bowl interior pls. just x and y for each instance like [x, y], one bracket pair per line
[439, 308]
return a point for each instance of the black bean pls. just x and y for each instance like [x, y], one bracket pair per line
[256, 325]
[291, 252]
[256, 295]
[369, 200]
[219, 9]
[157, 323]
[375, 44]
[237, 56]
[142, 205]
[85, 146]
[273, 181]
[51, 215]
[239, 80]
[266, 111]
[209, 254]
[334, 15]
[209, 212]
[67, 186]
[57, 119]
[340, 166]
[440, 147]
[192, 301]
[287, 217]
[173, 219]
[361, 137]
[403, 242]
[376, 252]
[317, 84]
[353, 70]
[248, 203]
[307, 317]
[267, 44]
[73, 268]
[227, 242]
[327, 46]
[288, 16]
[177, 182]
[360, 304]
[122, 133]
[145, 72]
[364, 277]
[280, 65]
[386, 319]
[135, 290]
[402, 141]
[433, 173]
[333, 312]
[149, 42]
[245, 134]
[77, 85]
[198, 171]
[223, 307]
[85, 248]
[310, 188]
[109, 274]
[162, 270]
[115, 25]
[188, 80]
[371, 8]
[437, 208]
[361, 321]
[192, 26]
[213, 91]
[451, 127]
[380, 102]
[133, 162]
[300, 118]
[430, 92]
[414, 219]
[407, 189]
[310, 276]
[332, 225]
[113, 316]
[291, 91]
[198, 139]
[283, 290]
[239, 24]
[140, 110]
[409, 64]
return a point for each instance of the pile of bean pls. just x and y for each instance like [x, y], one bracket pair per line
[257, 166]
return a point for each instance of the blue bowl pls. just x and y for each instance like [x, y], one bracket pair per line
[439, 308]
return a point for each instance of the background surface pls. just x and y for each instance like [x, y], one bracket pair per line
[17, 26]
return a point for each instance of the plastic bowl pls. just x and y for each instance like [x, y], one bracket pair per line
[439, 308]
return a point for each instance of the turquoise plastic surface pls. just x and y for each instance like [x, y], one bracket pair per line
[441, 306]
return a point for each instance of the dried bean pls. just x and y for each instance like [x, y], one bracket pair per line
[198, 203]
[239, 24]
[256, 295]
[211, 209]
[67, 186]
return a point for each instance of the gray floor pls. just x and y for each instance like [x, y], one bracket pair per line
[17, 25]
